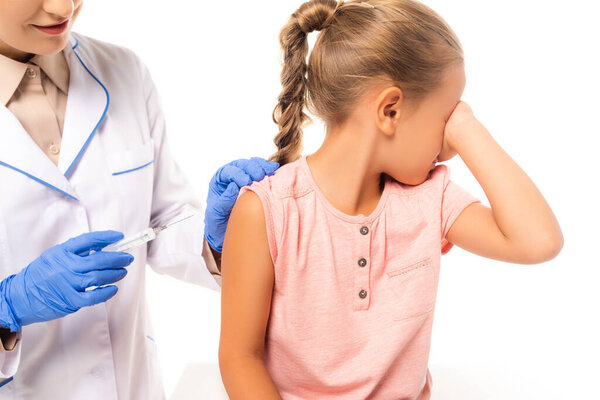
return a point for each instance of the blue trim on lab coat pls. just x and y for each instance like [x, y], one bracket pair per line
[7, 381]
[133, 169]
[38, 180]
[86, 142]
[101, 118]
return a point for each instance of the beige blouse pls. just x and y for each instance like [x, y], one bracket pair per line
[36, 93]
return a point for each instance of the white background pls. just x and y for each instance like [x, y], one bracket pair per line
[501, 331]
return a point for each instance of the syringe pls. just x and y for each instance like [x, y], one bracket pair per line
[140, 238]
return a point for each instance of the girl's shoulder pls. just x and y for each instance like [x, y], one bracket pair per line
[289, 180]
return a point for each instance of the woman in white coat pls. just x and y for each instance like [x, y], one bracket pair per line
[84, 156]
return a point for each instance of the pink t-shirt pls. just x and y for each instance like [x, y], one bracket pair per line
[353, 299]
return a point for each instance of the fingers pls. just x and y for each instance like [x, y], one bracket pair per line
[231, 192]
[96, 296]
[227, 199]
[92, 241]
[241, 163]
[100, 278]
[232, 173]
[255, 170]
[268, 166]
[242, 172]
[103, 261]
[239, 170]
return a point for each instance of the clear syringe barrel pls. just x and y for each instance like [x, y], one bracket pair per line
[132, 241]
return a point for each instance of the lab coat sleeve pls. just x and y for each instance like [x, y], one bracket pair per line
[9, 359]
[180, 251]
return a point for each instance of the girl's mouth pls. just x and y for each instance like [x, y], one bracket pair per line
[54, 29]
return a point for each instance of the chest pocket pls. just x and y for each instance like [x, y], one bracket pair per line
[133, 175]
[413, 288]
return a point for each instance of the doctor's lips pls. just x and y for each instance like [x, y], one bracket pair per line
[56, 29]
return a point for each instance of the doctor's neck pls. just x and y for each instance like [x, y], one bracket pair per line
[15, 54]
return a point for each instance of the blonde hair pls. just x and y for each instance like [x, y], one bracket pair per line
[403, 41]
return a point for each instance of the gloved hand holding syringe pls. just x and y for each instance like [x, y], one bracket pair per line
[138, 239]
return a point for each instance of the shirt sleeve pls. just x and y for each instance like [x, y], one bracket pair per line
[181, 250]
[273, 213]
[9, 359]
[454, 200]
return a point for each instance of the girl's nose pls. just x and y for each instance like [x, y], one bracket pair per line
[60, 9]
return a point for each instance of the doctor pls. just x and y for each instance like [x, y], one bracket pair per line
[84, 157]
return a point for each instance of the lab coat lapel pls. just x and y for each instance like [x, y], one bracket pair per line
[22, 155]
[87, 105]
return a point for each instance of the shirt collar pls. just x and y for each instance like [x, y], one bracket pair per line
[11, 73]
[56, 67]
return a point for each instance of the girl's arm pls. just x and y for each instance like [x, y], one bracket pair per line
[247, 273]
[519, 227]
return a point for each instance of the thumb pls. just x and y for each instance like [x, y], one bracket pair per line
[228, 199]
[98, 295]
[231, 192]
[92, 241]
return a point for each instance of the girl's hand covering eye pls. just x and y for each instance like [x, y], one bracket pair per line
[460, 120]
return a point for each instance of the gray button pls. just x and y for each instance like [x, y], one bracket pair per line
[362, 262]
[364, 230]
[362, 294]
[31, 73]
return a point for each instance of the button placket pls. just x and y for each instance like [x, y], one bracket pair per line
[54, 149]
[362, 270]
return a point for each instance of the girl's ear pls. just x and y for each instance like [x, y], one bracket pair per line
[389, 106]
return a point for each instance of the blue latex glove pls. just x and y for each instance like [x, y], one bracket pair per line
[54, 284]
[223, 191]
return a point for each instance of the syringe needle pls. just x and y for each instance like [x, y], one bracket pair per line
[161, 228]
[178, 221]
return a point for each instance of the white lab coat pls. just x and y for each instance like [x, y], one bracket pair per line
[115, 172]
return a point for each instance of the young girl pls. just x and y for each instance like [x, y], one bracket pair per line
[331, 265]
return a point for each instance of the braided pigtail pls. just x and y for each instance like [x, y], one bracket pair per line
[289, 113]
